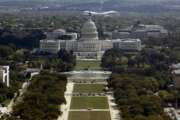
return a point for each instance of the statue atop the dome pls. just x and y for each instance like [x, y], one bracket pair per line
[90, 14]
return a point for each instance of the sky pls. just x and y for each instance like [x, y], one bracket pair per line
[124, 1]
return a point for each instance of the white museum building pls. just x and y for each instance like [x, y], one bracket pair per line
[88, 46]
[4, 75]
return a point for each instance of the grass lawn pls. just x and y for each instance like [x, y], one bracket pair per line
[89, 115]
[95, 88]
[91, 65]
[89, 102]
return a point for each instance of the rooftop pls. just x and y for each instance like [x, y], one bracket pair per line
[144, 28]
[177, 72]
[127, 40]
[175, 66]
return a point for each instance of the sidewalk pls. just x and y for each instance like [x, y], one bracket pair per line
[65, 108]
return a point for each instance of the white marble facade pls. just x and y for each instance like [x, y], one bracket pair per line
[88, 46]
[4, 75]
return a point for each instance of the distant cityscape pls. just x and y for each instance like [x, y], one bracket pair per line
[89, 60]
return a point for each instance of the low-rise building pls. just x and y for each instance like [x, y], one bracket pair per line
[175, 70]
[141, 31]
[4, 75]
[127, 44]
[51, 46]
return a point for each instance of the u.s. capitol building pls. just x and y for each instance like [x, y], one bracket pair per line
[88, 46]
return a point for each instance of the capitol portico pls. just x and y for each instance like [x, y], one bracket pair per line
[88, 46]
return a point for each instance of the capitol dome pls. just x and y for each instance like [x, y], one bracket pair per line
[89, 31]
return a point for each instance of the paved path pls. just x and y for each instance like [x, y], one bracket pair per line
[89, 110]
[18, 97]
[66, 107]
[105, 83]
[115, 114]
[87, 95]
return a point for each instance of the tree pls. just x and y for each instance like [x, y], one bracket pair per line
[42, 99]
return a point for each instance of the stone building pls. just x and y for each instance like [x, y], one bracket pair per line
[127, 44]
[4, 75]
[141, 31]
[88, 46]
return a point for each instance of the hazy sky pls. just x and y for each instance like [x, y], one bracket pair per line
[137, 1]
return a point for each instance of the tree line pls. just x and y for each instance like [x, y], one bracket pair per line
[21, 38]
[141, 82]
[42, 99]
